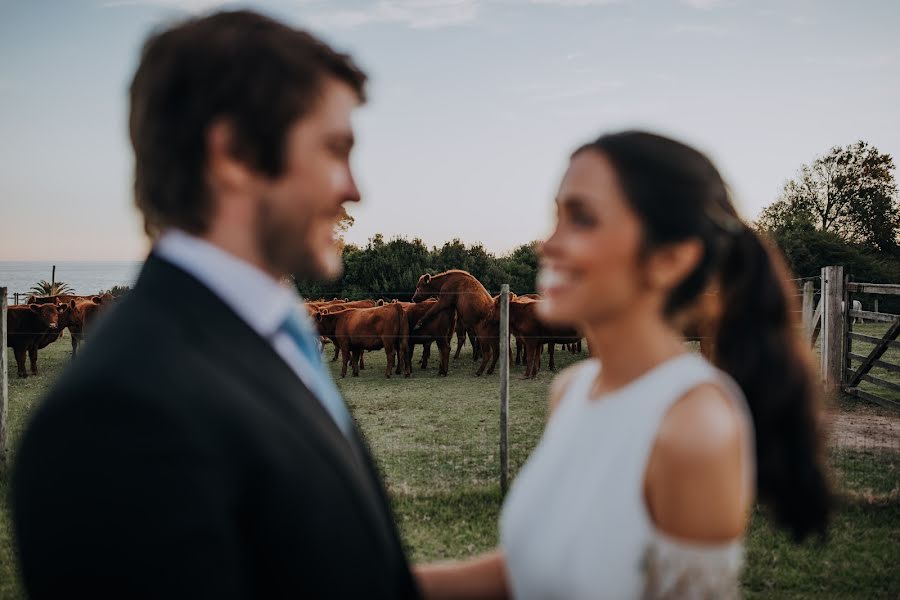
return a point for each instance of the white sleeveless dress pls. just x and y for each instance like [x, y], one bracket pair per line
[575, 524]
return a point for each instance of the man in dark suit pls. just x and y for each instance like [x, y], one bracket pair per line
[198, 448]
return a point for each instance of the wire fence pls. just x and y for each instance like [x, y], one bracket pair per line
[458, 436]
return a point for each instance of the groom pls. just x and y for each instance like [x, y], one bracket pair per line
[199, 448]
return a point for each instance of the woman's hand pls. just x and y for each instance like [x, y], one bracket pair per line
[479, 578]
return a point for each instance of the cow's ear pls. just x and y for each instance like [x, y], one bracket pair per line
[72, 304]
[346, 299]
[97, 300]
[35, 308]
[427, 279]
[61, 308]
[380, 302]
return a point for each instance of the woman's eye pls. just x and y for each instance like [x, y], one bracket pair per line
[583, 219]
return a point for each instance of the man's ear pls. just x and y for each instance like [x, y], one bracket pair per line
[225, 172]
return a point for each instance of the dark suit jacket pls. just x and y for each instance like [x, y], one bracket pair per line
[180, 457]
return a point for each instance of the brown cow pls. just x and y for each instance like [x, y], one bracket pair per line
[80, 315]
[338, 304]
[460, 290]
[520, 343]
[27, 325]
[356, 329]
[438, 329]
[524, 323]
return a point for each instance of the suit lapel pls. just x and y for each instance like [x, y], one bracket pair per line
[223, 334]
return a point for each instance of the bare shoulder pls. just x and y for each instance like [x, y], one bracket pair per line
[561, 383]
[697, 483]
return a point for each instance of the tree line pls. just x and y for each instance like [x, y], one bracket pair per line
[840, 209]
[390, 269]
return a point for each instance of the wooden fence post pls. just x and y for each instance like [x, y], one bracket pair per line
[807, 306]
[876, 305]
[504, 388]
[832, 328]
[846, 328]
[4, 383]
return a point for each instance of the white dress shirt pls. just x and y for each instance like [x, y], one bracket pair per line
[258, 299]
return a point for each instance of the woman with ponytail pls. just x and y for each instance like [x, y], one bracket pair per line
[653, 456]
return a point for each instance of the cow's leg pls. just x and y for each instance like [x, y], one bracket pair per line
[460, 341]
[32, 356]
[400, 363]
[476, 346]
[426, 354]
[75, 341]
[578, 346]
[494, 346]
[551, 348]
[444, 350]
[407, 364]
[336, 350]
[20, 362]
[485, 357]
[362, 360]
[345, 360]
[530, 360]
[536, 351]
[389, 351]
[356, 357]
[518, 351]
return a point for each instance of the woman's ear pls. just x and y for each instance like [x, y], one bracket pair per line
[671, 264]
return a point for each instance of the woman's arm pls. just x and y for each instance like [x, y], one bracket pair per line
[479, 578]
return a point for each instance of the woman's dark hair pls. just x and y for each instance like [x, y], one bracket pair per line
[678, 195]
[241, 67]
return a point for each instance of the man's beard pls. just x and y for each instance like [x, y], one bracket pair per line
[287, 249]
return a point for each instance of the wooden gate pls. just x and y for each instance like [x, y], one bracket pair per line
[875, 358]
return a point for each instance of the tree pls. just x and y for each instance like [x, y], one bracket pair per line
[345, 222]
[849, 191]
[45, 288]
[117, 291]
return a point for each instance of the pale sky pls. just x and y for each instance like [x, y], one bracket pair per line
[475, 104]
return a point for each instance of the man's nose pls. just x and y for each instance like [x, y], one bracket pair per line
[351, 192]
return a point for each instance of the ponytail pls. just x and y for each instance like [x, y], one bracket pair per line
[757, 343]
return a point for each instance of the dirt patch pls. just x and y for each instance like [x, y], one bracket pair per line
[863, 431]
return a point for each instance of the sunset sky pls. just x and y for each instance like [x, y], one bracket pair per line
[475, 104]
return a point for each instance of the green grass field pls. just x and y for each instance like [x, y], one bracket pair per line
[436, 440]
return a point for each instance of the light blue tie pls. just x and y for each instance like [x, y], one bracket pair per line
[325, 389]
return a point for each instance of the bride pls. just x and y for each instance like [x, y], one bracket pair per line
[653, 458]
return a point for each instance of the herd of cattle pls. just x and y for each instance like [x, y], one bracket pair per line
[41, 321]
[453, 302]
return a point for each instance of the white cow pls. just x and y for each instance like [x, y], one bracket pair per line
[856, 305]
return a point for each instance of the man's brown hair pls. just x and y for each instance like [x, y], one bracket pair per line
[241, 67]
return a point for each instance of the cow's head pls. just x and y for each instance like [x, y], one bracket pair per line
[48, 314]
[426, 288]
[380, 302]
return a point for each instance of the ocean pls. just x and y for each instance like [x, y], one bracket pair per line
[84, 277]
